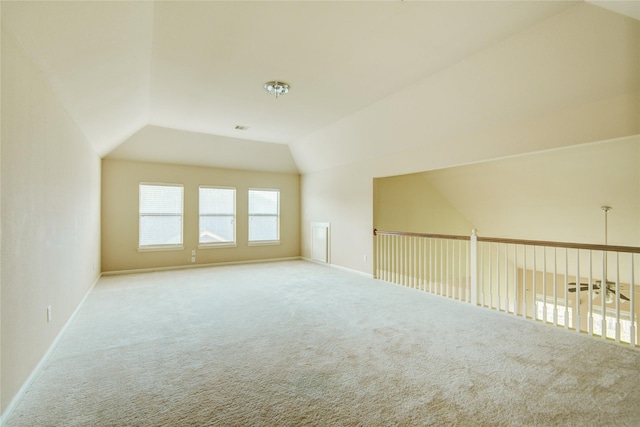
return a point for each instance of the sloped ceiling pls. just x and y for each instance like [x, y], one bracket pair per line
[368, 78]
[156, 144]
[573, 78]
[97, 58]
[553, 195]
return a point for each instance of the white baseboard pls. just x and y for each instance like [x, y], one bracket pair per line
[339, 267]
[351, 270]
[25, 386]
[187, 266]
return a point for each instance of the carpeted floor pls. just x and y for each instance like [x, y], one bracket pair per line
[296, 343]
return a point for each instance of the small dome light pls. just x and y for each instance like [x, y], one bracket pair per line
[276, 88]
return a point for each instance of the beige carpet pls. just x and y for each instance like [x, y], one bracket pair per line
[295, 343]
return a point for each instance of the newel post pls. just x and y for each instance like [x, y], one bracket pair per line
[474, 267]
[376, 253]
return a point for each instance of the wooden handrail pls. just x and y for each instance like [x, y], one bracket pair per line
[609, 248]
[433, 236]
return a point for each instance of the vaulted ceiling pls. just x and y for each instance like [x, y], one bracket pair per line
[169, 81]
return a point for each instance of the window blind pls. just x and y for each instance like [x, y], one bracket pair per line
[160, 215]
[264, 215]
[217, 215]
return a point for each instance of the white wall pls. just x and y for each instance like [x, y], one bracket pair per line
[504, 198]
[552, 195]
[342, 197]
[50, 217]
[570, 80]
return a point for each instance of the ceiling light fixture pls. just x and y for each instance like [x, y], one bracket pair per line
[276, 88]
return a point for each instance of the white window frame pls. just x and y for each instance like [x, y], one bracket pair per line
[550, 306]
[250, 216]
[206, 245]
[161, 247]
[625, 323]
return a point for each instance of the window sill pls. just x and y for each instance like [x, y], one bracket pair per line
[217, 245]
[265, 243]
[158, 248]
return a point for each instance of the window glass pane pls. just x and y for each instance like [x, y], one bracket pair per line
[264, 215]
[217, 201]
[550, 311]
[160, 199]
[160, 214]
[160, 230]
[217, 215]
[263, 228]
[263, 202]
[625, 327]
[217, 229]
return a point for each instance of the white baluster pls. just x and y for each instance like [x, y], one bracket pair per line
[618, 297]
[447, 265]
[441, 275]
[534, 293]
[490, 275]
[460, 269]
[632, 310]
[544, 284]
[473, 264]
[556, 311]
[394, 258]
[506, 277]
[419, 262]
[566, 288]
[425, 277]
[524, 282]
[515, 280]
[578, 327]
[482, 290]
[589, 295]
[467, 293]
[603, 287]
[431, 265]
[499, 302]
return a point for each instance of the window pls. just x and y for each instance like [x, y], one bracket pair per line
[264, 216]
[561, 308]
[160, 216]
[625, 324]
[217, 216]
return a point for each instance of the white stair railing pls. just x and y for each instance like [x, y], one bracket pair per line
[590, 289]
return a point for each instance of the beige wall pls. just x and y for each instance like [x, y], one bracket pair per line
[519, 96]
[411, 203]
[120, 180]
[342, 197]
[559, 201]
[50, 217]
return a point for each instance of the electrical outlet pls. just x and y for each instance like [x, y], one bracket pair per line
[48, 314]
[193, 252]
[193, 259]
[365, 259]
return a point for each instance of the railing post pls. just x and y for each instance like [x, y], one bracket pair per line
[376, 253]
[474, 267]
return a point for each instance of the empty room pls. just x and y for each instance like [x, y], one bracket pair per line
[320, 213]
